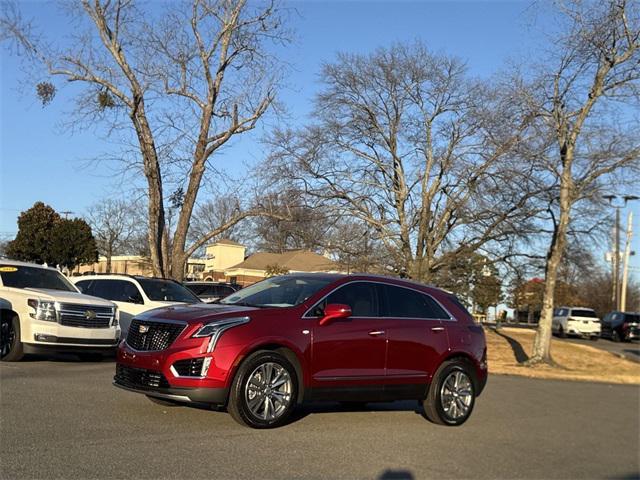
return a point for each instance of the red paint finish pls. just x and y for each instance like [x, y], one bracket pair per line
[352, 351]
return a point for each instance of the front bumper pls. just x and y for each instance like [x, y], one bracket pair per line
[158, 374]
[210, 396]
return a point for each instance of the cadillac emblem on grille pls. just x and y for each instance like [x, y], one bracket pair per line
[90, 315]
[143, 329]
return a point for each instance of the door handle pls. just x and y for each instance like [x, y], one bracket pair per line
[375, 333]
[437, 329]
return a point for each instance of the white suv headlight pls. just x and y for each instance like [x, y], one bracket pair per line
[43, 310]
[217, 328]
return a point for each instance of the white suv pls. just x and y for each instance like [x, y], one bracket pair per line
[578, 321]
[41, 311]
[134, 294]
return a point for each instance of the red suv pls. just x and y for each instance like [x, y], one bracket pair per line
[295, 338]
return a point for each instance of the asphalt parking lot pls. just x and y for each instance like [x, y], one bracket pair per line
[63, 419]
[628, 350]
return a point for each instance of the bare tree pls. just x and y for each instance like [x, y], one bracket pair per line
[407, 144]
[587, 132]
[115, 225]
[183, 81]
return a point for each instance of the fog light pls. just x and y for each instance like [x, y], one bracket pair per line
[41, 337]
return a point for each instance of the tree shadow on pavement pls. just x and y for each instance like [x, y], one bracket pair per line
[521, 355]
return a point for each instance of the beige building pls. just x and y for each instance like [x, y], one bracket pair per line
[258, 265]
[128, 264]
[224, 262]
[219, 257]
[138, 265]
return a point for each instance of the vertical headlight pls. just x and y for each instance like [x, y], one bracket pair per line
[217, 328]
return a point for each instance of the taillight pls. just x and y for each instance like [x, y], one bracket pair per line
[625, 326]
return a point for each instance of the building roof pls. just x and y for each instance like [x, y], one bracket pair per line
[296, 260]
[226, 241]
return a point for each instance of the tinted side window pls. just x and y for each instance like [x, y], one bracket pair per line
[85, 286]
[198, 289]
[222, 291]
[116, 290]
[406, 303]
[362, 297]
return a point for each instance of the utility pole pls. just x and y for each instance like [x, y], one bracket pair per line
[615, 273]
[625, 270]
[616, 261]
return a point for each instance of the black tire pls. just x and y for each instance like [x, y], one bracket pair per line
[615, 336]
[11, 349]
[282, 398]
[594, 338]
[561, 332]
[163, 402]
[434, 409]
[90, 357]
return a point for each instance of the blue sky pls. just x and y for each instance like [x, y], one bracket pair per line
[40, 160]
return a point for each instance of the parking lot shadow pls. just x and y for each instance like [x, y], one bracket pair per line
[65, 358]
[315, 408]
[396, 475]
[521, 355]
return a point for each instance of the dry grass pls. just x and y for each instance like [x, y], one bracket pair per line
[509, 347]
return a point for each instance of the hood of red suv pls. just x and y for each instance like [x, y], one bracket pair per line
[194, 313]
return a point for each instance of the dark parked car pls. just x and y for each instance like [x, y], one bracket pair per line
[621, 326]
[211, 292]
[293, 338]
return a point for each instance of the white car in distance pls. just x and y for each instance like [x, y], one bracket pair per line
[134, 294]
[42, 312]
[576, 321]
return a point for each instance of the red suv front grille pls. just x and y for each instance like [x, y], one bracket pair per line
[152, 336]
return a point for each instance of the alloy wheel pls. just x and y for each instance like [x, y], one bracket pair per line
[268, 391]
[456, 395]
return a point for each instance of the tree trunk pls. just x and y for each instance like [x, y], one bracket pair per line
[156, 233]
[109, 255]
[542, 342]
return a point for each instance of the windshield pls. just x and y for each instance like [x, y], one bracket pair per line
[17, 276]
[166, 291]
[281, 291]
[583, 313]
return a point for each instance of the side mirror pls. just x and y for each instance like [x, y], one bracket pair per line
[334, 311]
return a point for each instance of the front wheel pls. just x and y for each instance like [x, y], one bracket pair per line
[264, 391]
[10, 345]
[451, 394]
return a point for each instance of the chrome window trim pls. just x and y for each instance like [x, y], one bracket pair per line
[451, 318]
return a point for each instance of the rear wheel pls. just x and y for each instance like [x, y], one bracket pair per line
[264, 391]
[10, 345]
[615, 336]
[451, 394]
